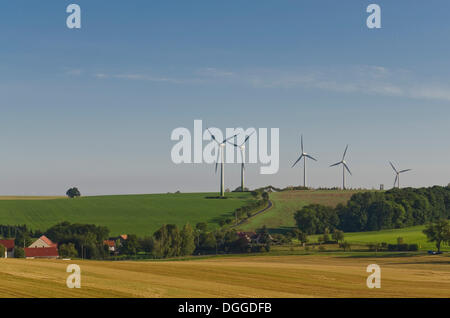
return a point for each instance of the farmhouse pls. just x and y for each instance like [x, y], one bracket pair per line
[43, 247]
[9, 247]
[41, 252]
[43, 241]
[111, 245]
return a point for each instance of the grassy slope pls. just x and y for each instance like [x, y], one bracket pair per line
[286, 203]
[138, 214]
[251, 276]
[281, 218]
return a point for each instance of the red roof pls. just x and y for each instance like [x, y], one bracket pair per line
[109, 243]
[9, 244]
[41, 251]
[47, 241]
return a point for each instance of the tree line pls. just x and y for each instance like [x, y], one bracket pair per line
[374, 211]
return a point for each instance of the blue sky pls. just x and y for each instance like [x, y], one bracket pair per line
[95, 107]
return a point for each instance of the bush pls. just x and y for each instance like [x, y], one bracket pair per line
[2, 251]
[402, 247]
[345, 245]
[392, 247]
[413, 247]
[19, 252]
[68, 250]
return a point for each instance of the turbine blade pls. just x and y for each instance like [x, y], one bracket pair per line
[301, 156]
[246, 138]
[396, 178]
[225, 140]
[406, 170]
[212, 136]
[393, 167]
[336, 164]
[232, 143]
[346, 167]
[302, 143]
[310, 157]
[345, 152]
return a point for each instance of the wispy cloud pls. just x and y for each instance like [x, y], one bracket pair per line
[360, 79]
[73, 71]
[144, 77]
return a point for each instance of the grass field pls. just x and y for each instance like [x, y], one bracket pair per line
[137, 214]
[410, 235]
[281, 216]
[251, 276]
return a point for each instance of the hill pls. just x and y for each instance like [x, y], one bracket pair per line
[281, 216]
[137, 214]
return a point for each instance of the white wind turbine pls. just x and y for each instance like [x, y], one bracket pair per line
[344, 167]
[304, 155]
[220, 153]
[242, 148]
[397, 174]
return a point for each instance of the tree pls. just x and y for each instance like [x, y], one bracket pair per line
[301, 236]
[438, 232]
[68, 250]
[345, 245]
[187, 240]
[19, 252]
[264, 236]
[338, 235]
[147, 244]
[326, 235]
[2, 251]
[202, 226]
[73, 193]
[131, 245]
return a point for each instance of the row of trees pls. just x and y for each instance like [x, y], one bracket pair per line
[171, 241]
[374, 211]
[79, 240]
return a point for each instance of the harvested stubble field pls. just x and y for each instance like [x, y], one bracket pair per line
[252, 276]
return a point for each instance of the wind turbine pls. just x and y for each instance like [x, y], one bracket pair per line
[242, 148]
[397, 174]
[344, 167]
[304, 155]
[221, 154]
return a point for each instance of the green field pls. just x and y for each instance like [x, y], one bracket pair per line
[280, 217]
[410, 235]
[137, 214]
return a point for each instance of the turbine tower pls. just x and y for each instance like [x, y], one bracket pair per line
[344, 167]
[220, 153]
[397, 175]
[304, 155]
[242, 148]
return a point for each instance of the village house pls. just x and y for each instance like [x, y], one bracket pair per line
[9, 247]
[111, 245]
[43, 241]
[43, 247]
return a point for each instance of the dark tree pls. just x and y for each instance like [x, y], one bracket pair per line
[438, 232]
[73, 193]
